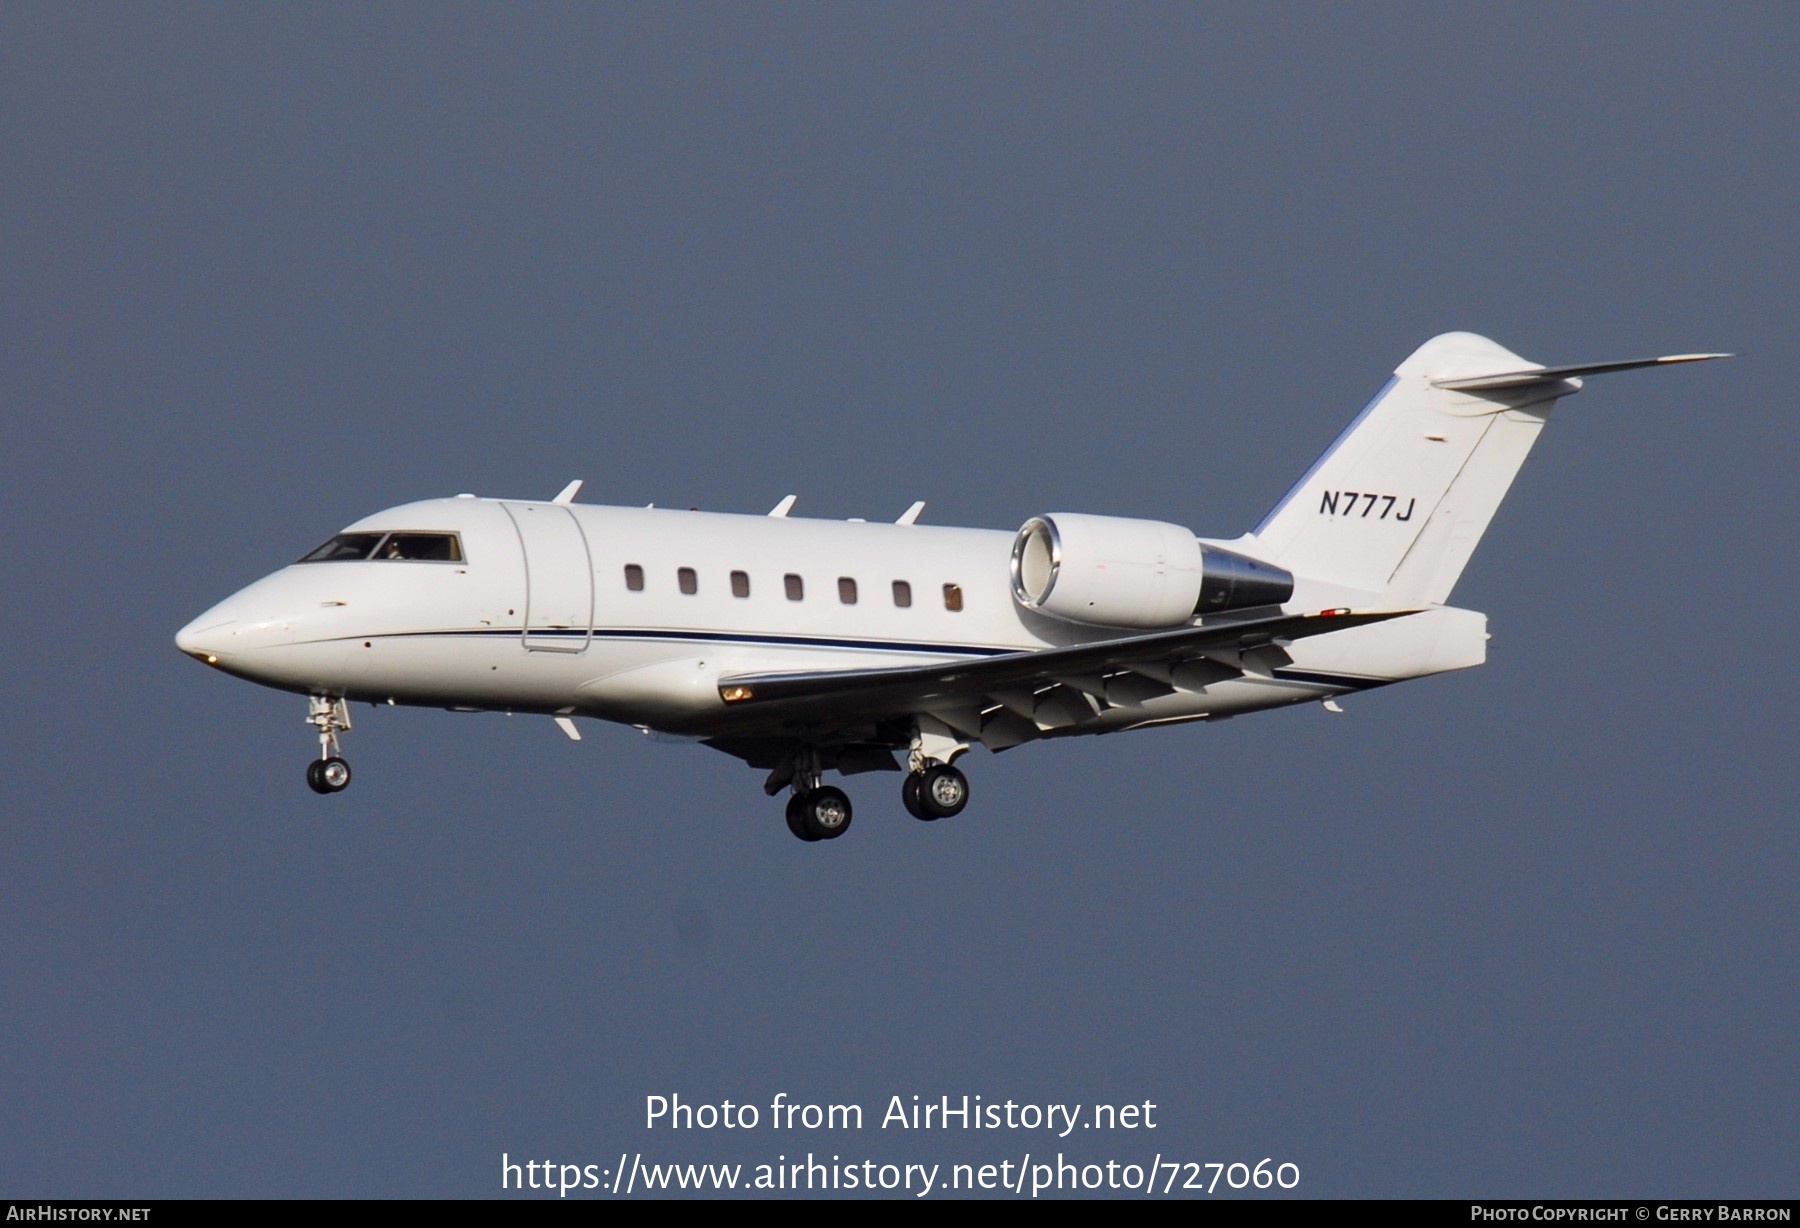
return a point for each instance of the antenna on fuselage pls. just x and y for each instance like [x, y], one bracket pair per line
[780, 510]
[911, 514]
[568, 492]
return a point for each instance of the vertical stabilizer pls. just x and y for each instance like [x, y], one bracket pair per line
[1398, 503]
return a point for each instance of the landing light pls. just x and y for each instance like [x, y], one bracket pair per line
[735, 694]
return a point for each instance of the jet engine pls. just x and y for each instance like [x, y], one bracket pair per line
[1113, 572]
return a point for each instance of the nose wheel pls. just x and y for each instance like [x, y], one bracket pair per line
[329, 773]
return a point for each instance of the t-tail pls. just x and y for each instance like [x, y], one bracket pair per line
[1397, 505]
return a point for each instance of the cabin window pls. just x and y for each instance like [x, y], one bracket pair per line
[634, 577]
[796, 587]
[953, 598]
[902, 594]
[740, 584]
[846, 590]
[688, 580]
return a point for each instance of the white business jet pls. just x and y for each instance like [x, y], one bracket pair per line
[808, 646]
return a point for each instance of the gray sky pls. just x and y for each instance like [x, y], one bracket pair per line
[1528, 930]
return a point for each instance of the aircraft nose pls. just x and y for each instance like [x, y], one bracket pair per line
[203, 638]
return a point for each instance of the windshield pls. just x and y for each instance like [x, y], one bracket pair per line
[384, 547]
[343, 547]
[429, 547]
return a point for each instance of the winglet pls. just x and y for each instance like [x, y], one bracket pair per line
[780, 510]
[1551, 375]
[911, 514]
[568, 492]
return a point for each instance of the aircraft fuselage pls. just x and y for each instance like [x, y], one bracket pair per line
[577, 609]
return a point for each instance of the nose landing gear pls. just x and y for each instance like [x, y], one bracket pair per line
[329, 773]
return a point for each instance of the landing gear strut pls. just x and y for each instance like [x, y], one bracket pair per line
[329, 773]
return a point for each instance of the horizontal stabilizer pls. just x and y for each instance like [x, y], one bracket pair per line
[1551, 375]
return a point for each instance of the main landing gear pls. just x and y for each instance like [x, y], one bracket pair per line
[938, 792]
[932, 789]
[820, 813]
[823, 812]
[815, 811]
[329, 773]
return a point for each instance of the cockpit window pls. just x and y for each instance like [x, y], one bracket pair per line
[343, 548]
[402, 547]
[426, 547]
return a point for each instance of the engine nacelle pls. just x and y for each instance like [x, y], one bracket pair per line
[1114, 572]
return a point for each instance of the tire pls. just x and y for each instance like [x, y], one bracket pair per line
[826, 813]
[943, 791]
[909, 797]
[313, 780]
[796, 819]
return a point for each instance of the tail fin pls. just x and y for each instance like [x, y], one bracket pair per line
[1398, 503]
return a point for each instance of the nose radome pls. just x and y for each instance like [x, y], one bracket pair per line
[206, 636]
